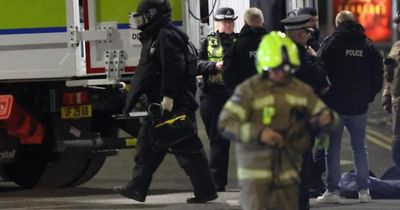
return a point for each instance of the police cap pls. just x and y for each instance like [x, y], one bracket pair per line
[225, 13]
[297, 22]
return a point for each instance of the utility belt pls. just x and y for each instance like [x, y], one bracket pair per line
[216, 79]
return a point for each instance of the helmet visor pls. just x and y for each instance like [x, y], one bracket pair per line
[137, 20]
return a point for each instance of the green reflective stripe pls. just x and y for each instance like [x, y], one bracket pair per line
[246, 173]
[118, 10]
[236, 109]
[264, 101]
[296, 100]
[19, 14]
[318, 106]
[288, 175]
[268, 114]
[245, 132]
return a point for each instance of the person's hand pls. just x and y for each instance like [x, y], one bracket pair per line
[387, 108]
[167, 103]
[325, 117]
[311, 51]
[271, 137]
[219, 66]
[324, 90]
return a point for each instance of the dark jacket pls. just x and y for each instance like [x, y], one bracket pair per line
[354, 67]
[239, 60]
[312, 71]
[206, 67]
[162, 69]
[315, 40]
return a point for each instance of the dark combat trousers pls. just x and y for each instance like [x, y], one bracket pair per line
[210, 108]
[396, 135]
[306, 167]
[190, 156]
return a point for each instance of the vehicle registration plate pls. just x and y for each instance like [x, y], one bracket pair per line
[76, 112]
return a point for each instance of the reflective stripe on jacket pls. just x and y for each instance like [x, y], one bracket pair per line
[258, 103]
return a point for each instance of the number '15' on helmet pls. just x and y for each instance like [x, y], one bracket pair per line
[277, 51]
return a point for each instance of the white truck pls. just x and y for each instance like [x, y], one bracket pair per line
[61, 67]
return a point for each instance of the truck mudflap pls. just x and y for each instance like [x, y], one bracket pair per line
[19, 123]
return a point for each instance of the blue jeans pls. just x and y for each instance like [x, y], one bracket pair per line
[356, 126]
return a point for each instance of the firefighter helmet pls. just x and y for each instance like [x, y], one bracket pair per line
[276, 50]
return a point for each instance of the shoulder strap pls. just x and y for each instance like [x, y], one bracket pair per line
[191, 49]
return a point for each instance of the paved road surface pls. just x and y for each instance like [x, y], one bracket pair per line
[171, 187]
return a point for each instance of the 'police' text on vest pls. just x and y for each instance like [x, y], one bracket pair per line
[354, 53]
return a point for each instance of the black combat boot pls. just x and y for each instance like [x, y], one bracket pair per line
[129, 193]
[204, 199]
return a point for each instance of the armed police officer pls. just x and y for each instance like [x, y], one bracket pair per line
[391, 94]
[268, 117]
[164, 75]
[213, 91]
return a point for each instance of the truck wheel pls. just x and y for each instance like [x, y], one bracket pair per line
[94, 165]
[69, 166]
[66, 169]
[27, 168]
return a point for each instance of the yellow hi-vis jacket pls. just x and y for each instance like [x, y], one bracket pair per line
[215, 53]
[256, 104]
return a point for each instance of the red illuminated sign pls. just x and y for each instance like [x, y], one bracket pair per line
[374, 15]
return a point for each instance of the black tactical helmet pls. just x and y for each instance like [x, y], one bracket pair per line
[149, 11]
[225, 13]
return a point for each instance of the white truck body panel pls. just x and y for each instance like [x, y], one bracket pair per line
[41, 55]
[79, 49]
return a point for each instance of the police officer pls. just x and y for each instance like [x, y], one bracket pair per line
[355, 69]
[391, 94]
[162, 68]
[239, 60]
[267, 117]
[213, 91]
[315, 38]
[311, 72]
[317, 185]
